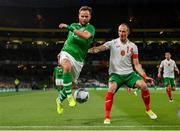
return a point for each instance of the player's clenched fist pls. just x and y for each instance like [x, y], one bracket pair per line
[62, 25]
[93, 50]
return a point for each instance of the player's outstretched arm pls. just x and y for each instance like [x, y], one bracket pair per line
[97, 49]
[84, 34]
[62, 25]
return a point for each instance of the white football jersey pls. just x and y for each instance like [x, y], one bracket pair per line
[168, 68]
[121, 56]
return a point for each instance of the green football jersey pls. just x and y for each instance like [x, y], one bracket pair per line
[76, 45]
[58, 72]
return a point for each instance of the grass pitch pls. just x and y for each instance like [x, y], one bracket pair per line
[36, 110]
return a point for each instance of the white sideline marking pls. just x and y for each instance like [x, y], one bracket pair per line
[105, 126]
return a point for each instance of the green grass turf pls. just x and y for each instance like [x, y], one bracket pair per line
[37, 110]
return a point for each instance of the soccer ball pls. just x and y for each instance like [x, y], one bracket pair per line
[81, 95]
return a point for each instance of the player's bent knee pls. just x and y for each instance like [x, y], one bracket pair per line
[66, 67]
[66, 64]
[112, 87]
[173, 89]
[141, 84]
[168, 88]
[144, 88]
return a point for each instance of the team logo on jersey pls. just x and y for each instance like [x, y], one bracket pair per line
[74, 35]
[110, 79]
[169, 64]
[122, 52]
[131, 50]
[82, 29]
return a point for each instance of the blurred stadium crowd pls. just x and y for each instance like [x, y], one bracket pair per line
[34, 63]
[30, 39]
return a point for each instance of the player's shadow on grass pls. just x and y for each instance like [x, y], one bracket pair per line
[85, 122]
[120, 119]
[99, 121]
[94, 121]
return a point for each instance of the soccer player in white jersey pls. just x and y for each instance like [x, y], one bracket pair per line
[122, 53]
[169, 66]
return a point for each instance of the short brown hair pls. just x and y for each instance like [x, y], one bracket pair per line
[85, 8]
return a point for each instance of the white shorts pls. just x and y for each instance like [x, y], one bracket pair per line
[59, 82]
[76, 65]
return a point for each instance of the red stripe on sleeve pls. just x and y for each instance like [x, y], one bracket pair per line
[135, 56]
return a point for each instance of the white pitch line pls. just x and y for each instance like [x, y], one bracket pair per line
[105, 126]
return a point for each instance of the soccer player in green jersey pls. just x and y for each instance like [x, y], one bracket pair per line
[169, 67]
[74, 52]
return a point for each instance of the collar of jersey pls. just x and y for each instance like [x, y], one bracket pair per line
[83, 25]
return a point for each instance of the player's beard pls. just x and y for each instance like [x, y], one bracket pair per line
[84, 22]
[123, 40]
